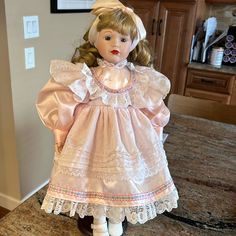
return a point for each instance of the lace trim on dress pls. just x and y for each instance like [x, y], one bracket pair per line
[137, 177]
[120, 163]
[105, 63]
[135, 214]
[150, 86]
[108, 98]
[110, 90]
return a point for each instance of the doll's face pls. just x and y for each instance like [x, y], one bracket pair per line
[113, 46]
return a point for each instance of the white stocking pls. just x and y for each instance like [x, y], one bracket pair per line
[115, 229]
[100, 220]
[99, 226]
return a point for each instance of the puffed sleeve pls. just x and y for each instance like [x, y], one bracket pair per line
[56, 105]
[56, 102]
[159, 116]
[152, 88]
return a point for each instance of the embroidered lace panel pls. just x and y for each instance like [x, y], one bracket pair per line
[118, 164]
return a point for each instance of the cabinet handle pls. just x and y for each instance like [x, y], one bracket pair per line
[159, 27]
[153, 24]
[206, 81]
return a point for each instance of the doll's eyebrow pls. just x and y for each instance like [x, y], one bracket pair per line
[107, 31]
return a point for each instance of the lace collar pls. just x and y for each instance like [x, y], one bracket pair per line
[104, 63]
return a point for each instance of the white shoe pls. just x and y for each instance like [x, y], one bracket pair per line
[100, 229]
[115, 229]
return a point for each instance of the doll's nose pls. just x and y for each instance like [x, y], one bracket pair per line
[115, 42]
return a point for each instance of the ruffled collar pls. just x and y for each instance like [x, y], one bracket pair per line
[150, 86]
[122, 64]
[104, 63]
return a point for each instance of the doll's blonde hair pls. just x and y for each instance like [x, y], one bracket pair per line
[120, 21]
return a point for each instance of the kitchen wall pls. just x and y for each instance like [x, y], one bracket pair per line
[26, 156]
[9, 166]
[224, 14]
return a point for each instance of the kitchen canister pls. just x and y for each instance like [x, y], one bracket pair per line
[216, 56]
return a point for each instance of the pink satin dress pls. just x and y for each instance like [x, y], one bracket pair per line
[113, 162]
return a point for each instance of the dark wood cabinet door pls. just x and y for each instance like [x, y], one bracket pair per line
[176, 24]
[148, 11]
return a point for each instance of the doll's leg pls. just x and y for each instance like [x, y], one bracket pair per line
[114, 228]
[99, 226]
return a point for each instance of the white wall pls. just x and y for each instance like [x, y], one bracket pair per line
[59, 35]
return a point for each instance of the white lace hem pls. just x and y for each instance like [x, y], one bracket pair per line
[135, 214]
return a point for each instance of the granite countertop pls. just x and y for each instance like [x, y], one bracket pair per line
[201, 156]
[208, 67]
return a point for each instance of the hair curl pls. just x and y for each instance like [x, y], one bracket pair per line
[123, 23]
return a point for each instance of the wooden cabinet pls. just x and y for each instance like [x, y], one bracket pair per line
[212, 85]
[176, 23]
[170, 25]
[218, 97]
[221, 1]
[148, 12]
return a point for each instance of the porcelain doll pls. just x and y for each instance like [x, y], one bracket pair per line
[107, 113]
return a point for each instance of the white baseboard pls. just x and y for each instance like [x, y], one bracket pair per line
[11, 203]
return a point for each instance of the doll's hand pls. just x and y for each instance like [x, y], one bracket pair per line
[58, 147]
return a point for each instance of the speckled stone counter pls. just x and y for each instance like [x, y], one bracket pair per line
[202, 161]
[207, 67]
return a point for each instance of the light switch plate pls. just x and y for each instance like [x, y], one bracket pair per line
[31, 26]
[29, 58]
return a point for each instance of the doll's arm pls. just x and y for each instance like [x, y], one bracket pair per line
[56, 106]
[159, 116]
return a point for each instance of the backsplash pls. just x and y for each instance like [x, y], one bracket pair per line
[224, 15]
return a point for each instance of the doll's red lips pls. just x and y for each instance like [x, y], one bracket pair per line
[115, 52]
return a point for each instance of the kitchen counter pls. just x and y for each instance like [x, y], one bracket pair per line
[208, 67]
[202, 161]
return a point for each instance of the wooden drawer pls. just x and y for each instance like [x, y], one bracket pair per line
[219, 97]
[210, 81]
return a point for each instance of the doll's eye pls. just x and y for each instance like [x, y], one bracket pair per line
[123, 40]
[108, 37]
